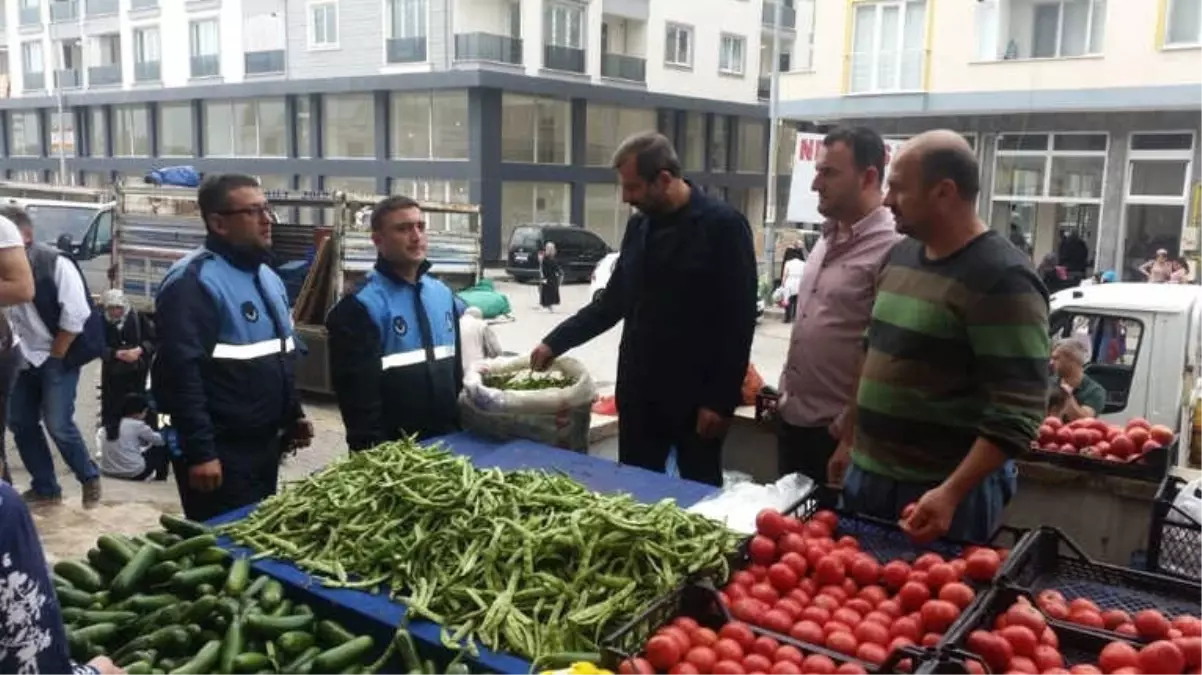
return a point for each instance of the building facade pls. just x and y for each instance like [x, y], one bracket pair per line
[515, 106]
[1084, 113]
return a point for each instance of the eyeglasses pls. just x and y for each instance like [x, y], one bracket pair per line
[260, 210]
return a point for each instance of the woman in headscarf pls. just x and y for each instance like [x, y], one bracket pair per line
[550, 277]
[129, 348]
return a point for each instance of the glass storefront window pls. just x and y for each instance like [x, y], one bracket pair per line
[529, 202]
[535, 130]
[24, 134]
[62, 134]
[1077, 177]
[175, 130]
[245, 128]
[1019, 175]
[131, 131]
[693, 156]
[719, 158]
[96, 132]
[429, 125]
[753, 146]
[348, 126]
[607, 126]
[304, 120]
[1158, 178]
[605, 213]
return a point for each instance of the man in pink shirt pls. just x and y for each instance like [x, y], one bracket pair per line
[835, 299]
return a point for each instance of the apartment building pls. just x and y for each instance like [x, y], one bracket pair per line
[515, 105]
[1084, 113]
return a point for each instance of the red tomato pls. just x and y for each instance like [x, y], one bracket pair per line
[895, 574]
[1046, 433]
[837, 592]
[941, 574]
[1191, 649]
[799, 596]
[1085, 617]
[790, 607]
[1049, 638]
[757, 663]
[749, 610]
[785, 668]
[983, 565]
[809, 586]
[777, 620]
[890, 607]
[728, 650]
[724, 598]
[826, 601]
[1047, 657]
[830, 518]
[859, 606]
[782, 577]
[1151, 624]
[925, 561]
[686, 623]
[871, 631]
[702, 658]
[1138, 422]
[662, 652]
[930, 640]
[1122, 446]
[850, 668]
[760, 572]
[865, 571]
[957, 593]
[796, 562]
[959, 564]
[1023, 664]
[829, 570]
[996, 651]
[679, 634]
[1084, 669]
[793, 524]
[1139, 436]
[847, 616]
[1127, 629]
[765, 645]
[1064, 436]
[850, 587]
[1057, 611]
[907, 628]
[764, 592]
[818, 664]
[762, 550]
[739, 632]
[816, 614]
[877, 616]
[1085, 604]
[899, 642]
[735, 591]
[743, 578]
[791, 542]
[807, 631]
[938, 615]
[1054, 422]
[1113, 617]
[1082, 437]
[1021, 638]
[787, 653]
[1117, 655]
[813, 553]
[835, 627]
[912, 595]
[816, 529]
[635, 667]
[1050, 596]
[873, 594]
[728, 668]
[1026, 615]
[704, 637]
[872, 653]
[684, 668]
[1161, 434]
[1161, 656]
[770, 523]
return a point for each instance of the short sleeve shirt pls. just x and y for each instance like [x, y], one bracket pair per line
[10, 236]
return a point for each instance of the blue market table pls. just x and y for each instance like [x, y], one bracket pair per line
[376, 613]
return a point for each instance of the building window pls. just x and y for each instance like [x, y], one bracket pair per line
[204, 44]
[753, 155]
[719, 159]
[887, 46]
[694, 142]
[96, 132]
[605, 213]
[1155, 200]
[730, 54]
[62, 133]
[348, 125]
[564, 26]
[1039, 29]
[408, 18]
[304, 118]
[31, 57]
[606, 126]
[176, 130]
[678, 46]
[525, 202]
[429, 125]
[535, 130]
[323, 24]
[1184, 24]
[131, 131]
[444, 191]
[146, 45]
[1048, 187]
[245, 128]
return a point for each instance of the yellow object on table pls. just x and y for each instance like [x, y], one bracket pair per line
[579, 668]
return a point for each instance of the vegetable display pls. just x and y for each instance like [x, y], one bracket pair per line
[1094, 438]
[528, 380]
[528, 562]
[171, 602]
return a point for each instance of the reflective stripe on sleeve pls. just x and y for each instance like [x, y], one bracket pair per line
[253, 350]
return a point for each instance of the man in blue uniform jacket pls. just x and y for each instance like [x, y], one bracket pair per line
[394, 341]
[224, 369]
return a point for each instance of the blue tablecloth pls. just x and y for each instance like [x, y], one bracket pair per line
[601, 475]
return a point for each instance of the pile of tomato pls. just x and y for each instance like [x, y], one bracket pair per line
[1093, 438]
[1023, 642]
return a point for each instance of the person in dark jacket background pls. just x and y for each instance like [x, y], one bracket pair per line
[128, 350]
[685, 284]
[224, 369]
[394, 342]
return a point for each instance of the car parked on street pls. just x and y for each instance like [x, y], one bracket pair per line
[577, 249]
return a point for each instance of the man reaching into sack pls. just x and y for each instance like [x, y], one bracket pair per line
[394, 342]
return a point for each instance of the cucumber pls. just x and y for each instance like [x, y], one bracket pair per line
[149, 603]
[302, 663]
[272, 595]
[252, 591]
[105, 564]
[331, 634]
[162, 571]
[336, 659]
[137, 668]
[147, 655]
[274, 626]
[189, 546]
[90, 617]
[238, 577]
[211, 555]
[303, 609]
[250, 662]
[99, 633]
[182, 526]
[200, 609]
[188, 580]
[80, 575]
[408, 649]
[78, 647]
[295, 641]
[233, 645]
[72, 614]
[167, 664]
[229, 606]
[115, 547]
[71, 597]
[60, 581]
[459, 668]
[203, 662]
[284, 607]
[131, 575]
[164, 539]
[205, 589]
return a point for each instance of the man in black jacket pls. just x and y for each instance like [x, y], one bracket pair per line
[685, 284]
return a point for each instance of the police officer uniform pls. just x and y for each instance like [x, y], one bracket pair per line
[395, 358]
[224, 372]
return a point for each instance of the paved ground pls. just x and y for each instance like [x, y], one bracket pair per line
[68, 530]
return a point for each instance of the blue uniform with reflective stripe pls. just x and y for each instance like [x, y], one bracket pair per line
[394, 354]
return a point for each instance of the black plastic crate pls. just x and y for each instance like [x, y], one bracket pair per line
[1174, 546]
[1150, 467]
[700, 602]
[1047, 558]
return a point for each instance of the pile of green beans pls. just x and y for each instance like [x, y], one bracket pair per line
[529, 562]
[528, 380]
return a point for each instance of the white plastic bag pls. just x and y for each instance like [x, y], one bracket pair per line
[738, 503]
[488, 399]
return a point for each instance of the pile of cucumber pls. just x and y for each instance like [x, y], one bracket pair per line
[171, 601]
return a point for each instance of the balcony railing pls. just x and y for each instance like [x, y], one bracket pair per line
[64, 11]
[30, 16]
[265, 62]
[623, 67]
[99, 76]
[407, 50]
[208, 65]
[101, 7]
[35, 81]
[135, 5]
[567, 59]
[147, 71]
[488, 47]
[67, 78]
[788, 15]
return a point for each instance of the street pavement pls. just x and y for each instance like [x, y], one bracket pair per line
[68, 530]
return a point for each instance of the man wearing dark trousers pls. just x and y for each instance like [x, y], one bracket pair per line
[224, 370]
[685, 286]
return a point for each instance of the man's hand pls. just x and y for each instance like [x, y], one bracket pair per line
[1066, 388]
[206, 476]
[710, 425]
[129, 355]
[541, 357]
[106, 666]
[932, 515]
[836, 467]
[300, 435]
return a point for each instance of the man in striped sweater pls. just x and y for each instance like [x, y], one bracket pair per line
[954, 382]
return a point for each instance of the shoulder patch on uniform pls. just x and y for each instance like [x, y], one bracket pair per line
[250, 312]
[399, 326]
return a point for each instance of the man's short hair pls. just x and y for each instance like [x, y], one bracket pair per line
[133, 404]
[866, 145]
[1075, 346]
[387, 205]
[956, 164]
[213, 194]
[652, 152]
[18, 215]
